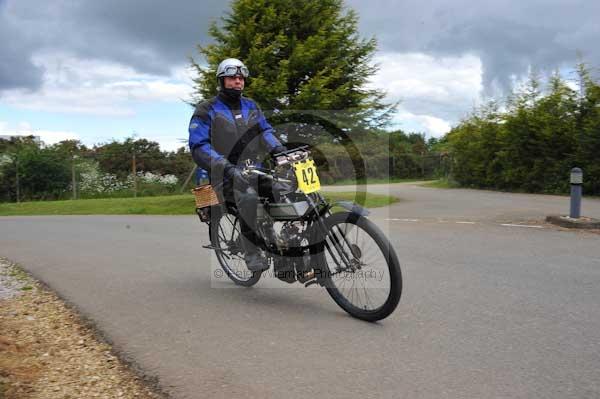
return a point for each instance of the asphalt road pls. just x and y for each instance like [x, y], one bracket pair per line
[489, 309]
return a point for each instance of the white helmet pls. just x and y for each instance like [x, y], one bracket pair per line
[232, 67]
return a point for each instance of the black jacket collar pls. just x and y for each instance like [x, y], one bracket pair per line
[231, 102]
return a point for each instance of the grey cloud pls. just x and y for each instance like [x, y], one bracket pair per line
[150, 35]
[16, 69]
[153, 36]
[165, 34]
[508, 35]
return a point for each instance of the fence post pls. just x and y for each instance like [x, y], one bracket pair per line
[73, 180]
[187, 180]
[18, 184]
[134, 169]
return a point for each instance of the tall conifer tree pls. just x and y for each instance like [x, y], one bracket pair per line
[302, 55]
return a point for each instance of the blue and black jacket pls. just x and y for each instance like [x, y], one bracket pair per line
[226, 131]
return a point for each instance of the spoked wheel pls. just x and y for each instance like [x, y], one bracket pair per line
[359, 267]
[225, 237]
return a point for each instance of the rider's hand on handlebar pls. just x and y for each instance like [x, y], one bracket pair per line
[239, 178]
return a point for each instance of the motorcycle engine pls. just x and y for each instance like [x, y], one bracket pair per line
[296, 261]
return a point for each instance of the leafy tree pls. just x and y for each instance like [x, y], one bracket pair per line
[534, 143]
[303, 55]
[43, 172]
[117, 157]
[70, 147]
[588, 130]
[473, 145]
[179, 163]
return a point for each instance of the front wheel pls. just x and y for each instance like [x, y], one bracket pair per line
[358, 266]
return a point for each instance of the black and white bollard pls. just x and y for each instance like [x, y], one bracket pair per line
[576, 183]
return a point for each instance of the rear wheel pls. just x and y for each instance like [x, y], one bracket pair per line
[225, 238]
[358, 266]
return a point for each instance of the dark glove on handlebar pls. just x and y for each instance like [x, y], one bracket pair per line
[278, 149]
[234, 173]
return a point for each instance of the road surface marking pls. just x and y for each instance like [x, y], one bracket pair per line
[465, 222]
[522, 225]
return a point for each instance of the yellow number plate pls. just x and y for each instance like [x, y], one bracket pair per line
[306, 174]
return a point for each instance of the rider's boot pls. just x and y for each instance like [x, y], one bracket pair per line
[285, 270]
[255, 261]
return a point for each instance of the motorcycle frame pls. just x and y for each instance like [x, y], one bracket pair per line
[316, 228]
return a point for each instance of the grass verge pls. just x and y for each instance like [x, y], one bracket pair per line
[165, 205]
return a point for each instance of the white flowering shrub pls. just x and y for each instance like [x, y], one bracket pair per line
[151, 178]
[92, 181]
[95, 183]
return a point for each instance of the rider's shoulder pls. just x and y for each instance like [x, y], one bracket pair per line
[204, 107]
[250, 103]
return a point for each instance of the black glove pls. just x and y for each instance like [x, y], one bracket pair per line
[278, 149]
[235, 174]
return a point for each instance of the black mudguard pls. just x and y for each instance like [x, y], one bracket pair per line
[352, 207]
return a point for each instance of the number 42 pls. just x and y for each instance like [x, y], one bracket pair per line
[305, 176]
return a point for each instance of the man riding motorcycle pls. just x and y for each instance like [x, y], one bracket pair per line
[227, 132]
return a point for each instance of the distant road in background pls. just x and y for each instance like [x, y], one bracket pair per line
[465, 204]
[489, 309]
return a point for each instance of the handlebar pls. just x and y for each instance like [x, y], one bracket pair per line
[297, 154]
[282, 158]
[302, 148]
[251, 170]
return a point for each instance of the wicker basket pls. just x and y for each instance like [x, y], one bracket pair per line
[205, 196]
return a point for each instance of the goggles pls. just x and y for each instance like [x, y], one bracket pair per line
[235, 70]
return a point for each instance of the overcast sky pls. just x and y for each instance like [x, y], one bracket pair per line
[97, 70]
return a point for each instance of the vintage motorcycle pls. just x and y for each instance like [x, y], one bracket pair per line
[304, 241]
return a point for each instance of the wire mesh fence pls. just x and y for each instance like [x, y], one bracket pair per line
[80, 177]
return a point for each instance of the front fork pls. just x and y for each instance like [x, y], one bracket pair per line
[343, 261]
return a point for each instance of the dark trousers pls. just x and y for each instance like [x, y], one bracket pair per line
[246, 197]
